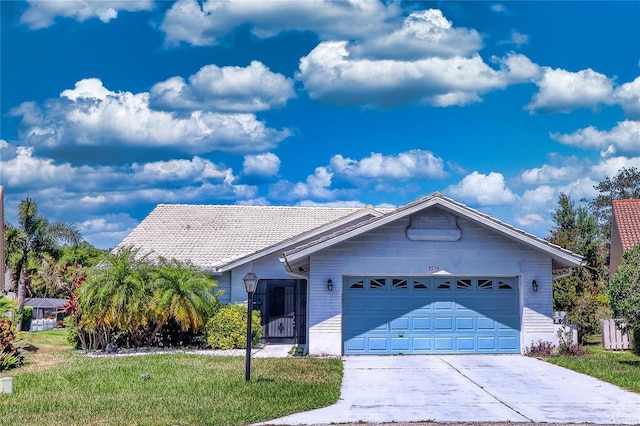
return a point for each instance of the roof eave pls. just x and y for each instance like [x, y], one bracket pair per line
[563, 257]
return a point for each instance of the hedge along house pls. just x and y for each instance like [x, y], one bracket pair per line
[432, 277]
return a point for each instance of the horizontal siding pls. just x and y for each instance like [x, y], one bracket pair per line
[537, 315]
[325, 310]
[387, 250]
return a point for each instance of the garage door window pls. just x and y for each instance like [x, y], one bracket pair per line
[485, 284]
[463, 284]
[378, 283]
[399, 283]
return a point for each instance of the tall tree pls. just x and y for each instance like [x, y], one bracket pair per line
[583, 293]
[32, 239]
[624, 185]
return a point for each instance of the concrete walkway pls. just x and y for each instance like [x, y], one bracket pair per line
[470, 388]
[272, 351]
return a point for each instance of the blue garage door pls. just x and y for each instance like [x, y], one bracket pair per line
[388, 315]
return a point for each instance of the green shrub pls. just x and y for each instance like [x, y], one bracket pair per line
[228, 328]
[27, 316]
[10, 356]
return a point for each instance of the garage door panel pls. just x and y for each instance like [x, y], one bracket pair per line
[431, 315]
[378, 344]
[487, 343]
[465, 323]
[443, 343]
[421, 324]
[507, 343]
[442, 305]
[443, 323]
[356, 345]
[400, 344]
[400, 324]
[464, 304]
[376, 303]
[465, 343]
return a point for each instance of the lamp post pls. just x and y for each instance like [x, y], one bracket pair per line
[250, 284]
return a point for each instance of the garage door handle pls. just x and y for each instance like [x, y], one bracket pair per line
[400, 335]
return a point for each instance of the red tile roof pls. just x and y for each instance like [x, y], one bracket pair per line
[627, 214]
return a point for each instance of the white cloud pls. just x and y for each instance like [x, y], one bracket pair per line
[611, 166]
[625, 136]
[628, 96]
[564, 91]
[483, 189]
[41, 14]
[579, 189]
[93, 115]
[181, 180]
[406, 165]
[267, 164]
[26, 170]
[88, 88]
[540, 196]
[98, 199]
[107, 230]
[499, 8]
[516, 38]
[330, 75]
[530, 219]
[317, 186]
[518, 68]
[549, 174]
[423, 33]
[194, 170]
[238, 89]
[203, 24]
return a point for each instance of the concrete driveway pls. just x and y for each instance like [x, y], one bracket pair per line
[470, 388]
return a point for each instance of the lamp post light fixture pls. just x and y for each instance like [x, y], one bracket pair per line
[250, 284]
[534, 285]
[330, 284]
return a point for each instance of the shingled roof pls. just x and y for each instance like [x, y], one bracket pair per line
[627, 219]
[210, 236]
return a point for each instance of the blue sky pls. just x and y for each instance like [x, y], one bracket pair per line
[112, 107]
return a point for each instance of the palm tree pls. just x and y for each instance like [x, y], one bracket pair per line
[32, 239]
[117, 294]
[183, 293]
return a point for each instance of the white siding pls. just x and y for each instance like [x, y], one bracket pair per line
[537, 307]
[325, 317]
[388, 251]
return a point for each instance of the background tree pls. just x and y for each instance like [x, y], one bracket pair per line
[583, 293]
[624, 185]
[29, 242]
[56, 275]
[624, 293]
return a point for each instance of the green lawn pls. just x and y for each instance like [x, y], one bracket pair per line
[621, 368]
[183, 389]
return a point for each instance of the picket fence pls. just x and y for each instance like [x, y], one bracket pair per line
[612, 337]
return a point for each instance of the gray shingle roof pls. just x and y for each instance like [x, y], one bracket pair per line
[210, 236]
